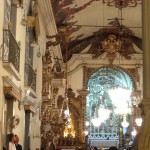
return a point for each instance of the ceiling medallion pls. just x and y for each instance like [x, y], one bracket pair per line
[122, 3]
[111, 45]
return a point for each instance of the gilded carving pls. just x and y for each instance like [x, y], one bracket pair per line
[111, 45]
[52, 125]
[46, 81]
[72, 136]
[57, 71]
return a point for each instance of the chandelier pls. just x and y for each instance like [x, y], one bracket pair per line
[133, 133]
[103, 114]
[122, 3]
[69, 129]
[121, 100]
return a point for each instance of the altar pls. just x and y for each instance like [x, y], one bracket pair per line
[103, 143]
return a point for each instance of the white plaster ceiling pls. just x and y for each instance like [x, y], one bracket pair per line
[97, 14]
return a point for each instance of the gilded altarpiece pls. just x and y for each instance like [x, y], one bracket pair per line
[54, 125]
[106, 71]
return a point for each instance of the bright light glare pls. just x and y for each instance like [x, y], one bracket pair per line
[69, 126]
[66, 112]
[121, 99]
[87, 123]
[138, 121]
[133, 133]
[86, 132]
[28, 92]
[96, 122]
[122, 110]
[69, 119]
[125, 124]
[103, 114]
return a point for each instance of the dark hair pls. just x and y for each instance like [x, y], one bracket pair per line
[95, 148]
[113, 148]
[10, 136]
[4, 148]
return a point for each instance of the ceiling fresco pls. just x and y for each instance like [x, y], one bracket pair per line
[82, 23]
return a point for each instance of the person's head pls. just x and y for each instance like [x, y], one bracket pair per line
[77, 148]
[11, 137]
[113, 148]
[95, 148]
[16, 138]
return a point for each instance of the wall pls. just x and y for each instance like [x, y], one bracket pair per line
[37, 65]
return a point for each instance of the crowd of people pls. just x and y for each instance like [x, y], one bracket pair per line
[13, 144]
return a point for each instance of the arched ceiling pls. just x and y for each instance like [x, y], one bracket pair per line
[81, 23]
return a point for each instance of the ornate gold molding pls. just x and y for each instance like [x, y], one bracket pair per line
[111, 45]
[29, 108]
[11, 91]
[132, 72]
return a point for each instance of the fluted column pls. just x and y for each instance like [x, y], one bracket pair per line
[144, 140]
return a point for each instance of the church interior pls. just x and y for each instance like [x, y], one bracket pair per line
[75, 74]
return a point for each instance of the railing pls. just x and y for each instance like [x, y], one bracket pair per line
[30, 77]
[11, 49]
[104, 136]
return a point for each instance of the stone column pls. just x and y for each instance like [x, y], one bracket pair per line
[144, 139]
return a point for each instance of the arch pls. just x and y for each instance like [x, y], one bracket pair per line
[126, 71]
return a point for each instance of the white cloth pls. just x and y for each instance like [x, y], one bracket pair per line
[11, 146]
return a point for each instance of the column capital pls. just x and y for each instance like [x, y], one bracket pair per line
[83, 92]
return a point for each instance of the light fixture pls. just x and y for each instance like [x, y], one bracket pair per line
[122, 3]
[86, 133]
[28, 92]
[121, 110]
[66, 112]
[69, 131]
[69, 126]
[138, 121]
[121, 100]
[133, 133]
[24, 20]
[125, 124]
[69, 119]
[87, 123]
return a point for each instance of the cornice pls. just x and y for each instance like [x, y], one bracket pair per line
[11, 90]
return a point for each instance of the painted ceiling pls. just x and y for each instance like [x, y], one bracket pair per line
[82, 23]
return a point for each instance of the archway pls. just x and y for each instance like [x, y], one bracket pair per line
[106, 120]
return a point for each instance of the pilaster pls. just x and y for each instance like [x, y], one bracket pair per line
[83, 93]
[143, 143]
